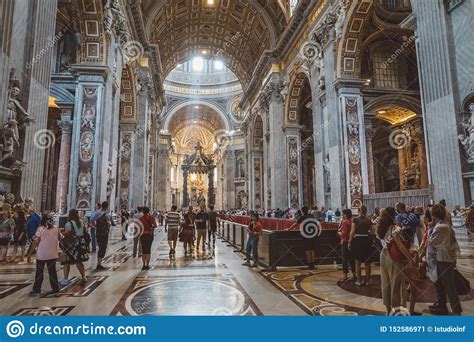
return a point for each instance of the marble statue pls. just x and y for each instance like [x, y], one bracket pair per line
[327, 173]
[16, 117]
[15, 111]
[108, 16]
[341, 16]
[467, 139]
[9, 140]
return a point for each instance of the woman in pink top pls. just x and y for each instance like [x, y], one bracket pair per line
[46, 240]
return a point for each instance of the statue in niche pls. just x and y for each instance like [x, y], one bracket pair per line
[10, 140]
[327, 173]
[467, 139]
[341, 16]
[16, 118]
[15, 111]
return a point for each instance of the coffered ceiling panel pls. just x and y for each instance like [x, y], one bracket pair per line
[203, 116]
[235, 31]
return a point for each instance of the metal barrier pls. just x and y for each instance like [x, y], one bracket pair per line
[280, 248]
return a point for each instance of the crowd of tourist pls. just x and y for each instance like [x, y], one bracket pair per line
[415, 247]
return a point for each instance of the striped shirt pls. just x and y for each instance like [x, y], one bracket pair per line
[172, 220]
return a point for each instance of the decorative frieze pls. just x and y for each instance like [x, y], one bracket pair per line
[351, 117]
[87, 131]
[293, 150]
[126, 139]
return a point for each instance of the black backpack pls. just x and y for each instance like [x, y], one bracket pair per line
[102, 226]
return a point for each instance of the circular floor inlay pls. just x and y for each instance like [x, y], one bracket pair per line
[186, 297]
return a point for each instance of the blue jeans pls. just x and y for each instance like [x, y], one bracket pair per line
[347, 259]
[93, 239]
[252, 247]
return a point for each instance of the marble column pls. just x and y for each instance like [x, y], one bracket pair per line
[65, 124]
[266, 195]
[439, 105]
[277, 155]
[185, 189]
[256, 196]
[88, 145]
[162, 186]
[230, 177]
[139, 162]
[294, 174]
[211, 190]
[369, 133]
[42, 24]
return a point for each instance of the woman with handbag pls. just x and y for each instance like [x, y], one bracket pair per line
[46, 241]
[444, 250]
[74, 247]
[391, 266]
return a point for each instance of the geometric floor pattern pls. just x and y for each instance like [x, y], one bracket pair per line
[211, 283]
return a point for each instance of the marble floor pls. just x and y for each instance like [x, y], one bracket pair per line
[212, 283]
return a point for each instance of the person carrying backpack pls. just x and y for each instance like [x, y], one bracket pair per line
[101, 220]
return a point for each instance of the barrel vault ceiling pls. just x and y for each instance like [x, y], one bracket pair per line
[234, 31]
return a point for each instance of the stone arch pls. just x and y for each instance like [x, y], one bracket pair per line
[407, 102]
[128, 96]
[193, 102]
[91, 25]
[294, 100]
[355, 27]
[257, 133]
[355, 36]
